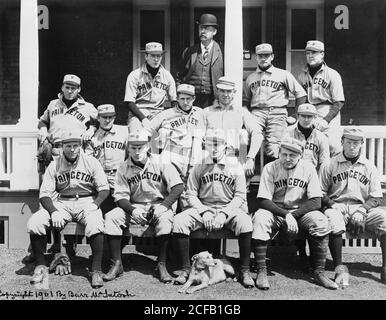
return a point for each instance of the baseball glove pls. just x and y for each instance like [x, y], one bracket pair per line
[355, 227]
[61, 264]
[45, 153]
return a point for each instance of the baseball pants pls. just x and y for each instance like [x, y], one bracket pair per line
[74, 210]
[117, 219]
[265, 224]
[190, 220]
[273, 122]
[375, 221]
[333, 132]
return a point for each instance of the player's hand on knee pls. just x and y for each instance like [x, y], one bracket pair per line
[357, 223]
[292, 225]
[58, 219]
[207, 218]
[138, 215]
[219, 221]
[249, 167]
[158, 211]
[341, 207]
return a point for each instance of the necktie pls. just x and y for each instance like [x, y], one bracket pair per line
[206, 53]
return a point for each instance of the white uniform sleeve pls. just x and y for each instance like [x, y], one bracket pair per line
[313, 188]
[131, 87]
[48, 187]
[172, 92]
[239, 195]
[325, 177]
[45, 117]
[93, 112]
[100, 178]
[170, 175]
[324, 151]
[122, 188]
[294, 87]
[254, 132]
[193, 188]
[375, 184]
[336, 87]
[267, 186]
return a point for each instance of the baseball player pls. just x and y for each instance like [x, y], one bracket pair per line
[203, 64]
[352, 193]
[70, 110]
[224, 114]
[324, 90]
[316, 148]
[217, 199]
[147, 88]
[145, 190]
[82, 186]
[180, 131]
[108, 145]
[266, 94]
[290, 198]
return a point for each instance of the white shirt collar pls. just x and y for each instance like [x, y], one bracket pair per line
[209, 46]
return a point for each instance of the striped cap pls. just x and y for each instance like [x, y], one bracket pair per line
[225, 83]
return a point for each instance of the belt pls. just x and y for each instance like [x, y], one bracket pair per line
[75, 196]
[269, 108]
[111, 171]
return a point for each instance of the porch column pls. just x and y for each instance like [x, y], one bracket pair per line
[233, 55]
[29, 64]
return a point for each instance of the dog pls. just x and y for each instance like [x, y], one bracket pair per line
[40, 278]
[206, 271]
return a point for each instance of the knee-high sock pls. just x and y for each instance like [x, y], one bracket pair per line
[115, 247]
[318, 249]
[383, 247]
[39, 245]
[182, 245]
[163, 242]
[335, 244]
[260, 251]
[245, 250]
[96, 243]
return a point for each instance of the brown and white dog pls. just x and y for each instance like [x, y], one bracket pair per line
[206, 271]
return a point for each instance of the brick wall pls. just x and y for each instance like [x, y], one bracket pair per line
[92, 40]
[358, 54]
[9, 61]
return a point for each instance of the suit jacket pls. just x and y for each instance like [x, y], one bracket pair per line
[189, 58]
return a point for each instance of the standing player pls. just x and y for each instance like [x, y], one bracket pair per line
[316, 148]
[224, 114]
[70, 110]
[82, 187]
[266, 93]
[290, 198]
[352, 189]
[217, 199]
[108, 145]
[147, 88]
[324, 90]
[180, 132]
[144, 185]
[202, 64]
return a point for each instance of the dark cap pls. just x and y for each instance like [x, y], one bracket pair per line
[208, 19]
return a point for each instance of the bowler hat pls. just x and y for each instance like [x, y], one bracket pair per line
[208, 19]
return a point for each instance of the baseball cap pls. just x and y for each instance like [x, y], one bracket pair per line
[217, 135]
[353, 134]
[225, 83]
[71, 136]
[71, 79]
[208, 19]
[153, 48]
[139, 137]
[308, 109]
[106, 109]
[315, 45]
[186, 88]
[292, 144]
[263, 48]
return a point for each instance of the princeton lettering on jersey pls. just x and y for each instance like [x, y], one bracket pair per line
[351, 174]
[266, 83]
[321, 82]
[295, 182]
[218, 177]
[74, 112]
[56, 112]
[74, 175]
[145, 175]
[311, 146]
[144, 87]
[109, 145]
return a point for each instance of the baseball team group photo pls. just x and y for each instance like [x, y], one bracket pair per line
[244, 152]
